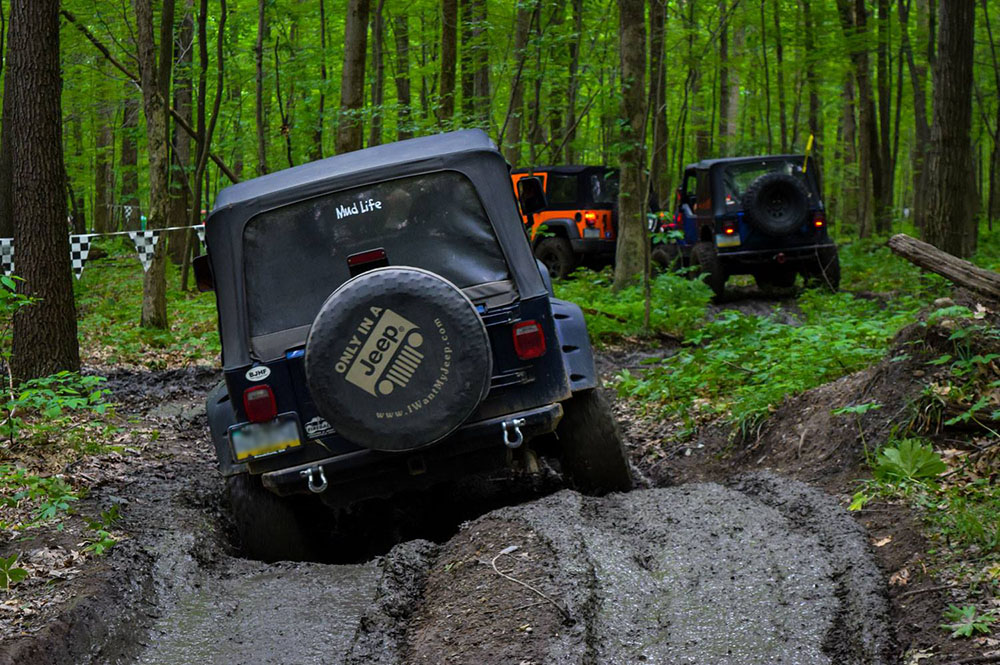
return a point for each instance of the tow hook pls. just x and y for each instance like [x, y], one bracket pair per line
[310, 475]
[512, 436]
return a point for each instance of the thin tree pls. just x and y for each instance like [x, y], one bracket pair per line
[45, 339]
[449, 49]
[378, 82]
[350, 130]
[154, 75]
[263, 32]
[632, 256]
[949, 216]
[659, 172]
[401, 35]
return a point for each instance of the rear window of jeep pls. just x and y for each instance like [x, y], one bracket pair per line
[295, 256]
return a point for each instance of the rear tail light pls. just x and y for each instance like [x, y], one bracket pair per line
[591, 218]
[258, 401]
[819, 219]
[529, 340]
[729, 228]
[677, 218]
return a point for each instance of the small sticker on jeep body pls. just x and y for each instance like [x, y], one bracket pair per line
[258, 373]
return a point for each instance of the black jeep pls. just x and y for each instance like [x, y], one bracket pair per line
[761, 216]
[386, 328]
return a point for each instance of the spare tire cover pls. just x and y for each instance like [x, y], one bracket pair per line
[397, 358]
[776, 203]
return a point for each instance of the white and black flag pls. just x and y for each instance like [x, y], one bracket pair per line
[145, 243]
[79, 248]
[7, 255]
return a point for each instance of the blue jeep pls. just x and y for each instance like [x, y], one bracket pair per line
[761, 216]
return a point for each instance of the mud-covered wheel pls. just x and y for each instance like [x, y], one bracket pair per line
[397, 359]
[666, 256]
[705, 260]
[776, 203]
[780, 278]
[590, 444]
[557, 255]
[271, 528]
[825, 271]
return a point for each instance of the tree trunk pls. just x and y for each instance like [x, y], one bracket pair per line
[812, 82]
[446, 96]
[723, 79]
[128, 209]
[263, 32]
[942, 263]
[378, 82]
[45, 332]
[510, 134]
[573, 90]
[883, 219]
[921, 126]
[949, 217]
[6, 209]
[632, 256]
[104, 158]
[779, 68]
[557, 86]
[467, 60]
[154, 74]
[481, 73]
[660, 172]
[181, 162]
[401, 33]
[316, 149]
[767, 80]
[350, 129]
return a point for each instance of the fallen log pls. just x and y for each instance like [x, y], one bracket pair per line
[950, 267]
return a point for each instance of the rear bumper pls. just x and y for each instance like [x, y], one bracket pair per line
[364, 474]
[593, 246]
[790, 256]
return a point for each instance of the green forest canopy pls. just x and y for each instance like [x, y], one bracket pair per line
[740, 77]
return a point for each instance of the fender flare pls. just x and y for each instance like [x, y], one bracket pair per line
[574, 344]
[561, 227]
[220, 417]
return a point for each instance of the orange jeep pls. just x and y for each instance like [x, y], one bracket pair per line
[580, 223]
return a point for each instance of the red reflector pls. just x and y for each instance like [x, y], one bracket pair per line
[366, 257]
[529, 340]
[258, 401]
[677, 218]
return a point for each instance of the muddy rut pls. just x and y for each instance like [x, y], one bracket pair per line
[761, 570]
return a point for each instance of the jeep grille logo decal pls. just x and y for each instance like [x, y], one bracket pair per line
[382, 353]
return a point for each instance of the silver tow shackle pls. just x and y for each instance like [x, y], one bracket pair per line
[512, 436]
[310, 476]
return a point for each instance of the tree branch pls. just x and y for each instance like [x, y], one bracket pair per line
[135, 79]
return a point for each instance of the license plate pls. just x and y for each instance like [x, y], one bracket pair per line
[591, 233]
[722, 240]
[259, 439]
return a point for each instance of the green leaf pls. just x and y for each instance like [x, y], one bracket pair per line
[909, 459]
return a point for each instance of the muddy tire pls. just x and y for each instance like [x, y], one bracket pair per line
[825, 273]
[776, 204]
[270, 527]
[704, 259]
[590, 443]
[666, 257]
[557, 255]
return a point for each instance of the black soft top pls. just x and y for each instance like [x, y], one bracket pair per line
[706, 164]
[469, 152]
[568, 170]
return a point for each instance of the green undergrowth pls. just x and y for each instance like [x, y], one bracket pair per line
[109, 304]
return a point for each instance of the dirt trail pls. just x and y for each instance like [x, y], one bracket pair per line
[764, 570]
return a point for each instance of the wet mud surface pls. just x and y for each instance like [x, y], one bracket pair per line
[759, 569]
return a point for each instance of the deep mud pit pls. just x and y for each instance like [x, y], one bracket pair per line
[760, 570]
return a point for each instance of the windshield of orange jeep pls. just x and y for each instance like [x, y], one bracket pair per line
[296, 256]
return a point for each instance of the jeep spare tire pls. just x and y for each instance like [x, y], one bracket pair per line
[776, 203]
[397, 358]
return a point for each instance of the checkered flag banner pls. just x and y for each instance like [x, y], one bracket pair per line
[200, 229]
[79, 248]
[7, 255]
[145, 243]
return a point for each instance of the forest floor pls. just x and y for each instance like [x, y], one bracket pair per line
[732, 535]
